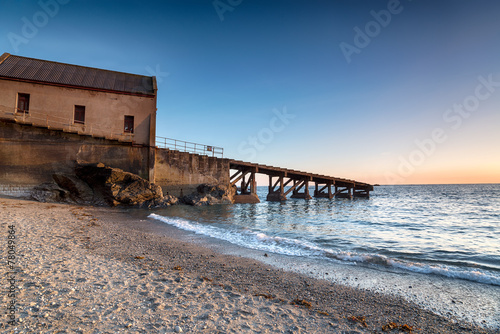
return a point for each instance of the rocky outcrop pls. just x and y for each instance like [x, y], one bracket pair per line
[208, 194]
[114, 186]
[97, 184]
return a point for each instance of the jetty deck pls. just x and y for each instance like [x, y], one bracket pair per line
[283, 181]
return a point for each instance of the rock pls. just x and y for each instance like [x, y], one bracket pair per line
[166, 201]
[209, 194]
[49, 192]
[178, 329]
[217, 193]
[98, 184]
[117, 187]
[79, 191]
[194, 200]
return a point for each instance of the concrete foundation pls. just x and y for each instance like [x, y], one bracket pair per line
[180, 173]
[30, 155]
[247, 199]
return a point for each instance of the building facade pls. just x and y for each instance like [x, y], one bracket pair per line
[54, 115]
[77, 99]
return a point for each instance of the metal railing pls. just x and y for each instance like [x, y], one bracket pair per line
[189, 147]
[39, 118]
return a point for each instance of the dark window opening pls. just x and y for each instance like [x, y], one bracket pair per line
[23, 103]
[80, 114]
[129, 124]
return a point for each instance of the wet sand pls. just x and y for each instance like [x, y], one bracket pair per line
[99, 270]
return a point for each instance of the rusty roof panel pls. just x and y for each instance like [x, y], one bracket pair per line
[31, 69]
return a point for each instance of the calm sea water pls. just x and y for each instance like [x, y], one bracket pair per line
[447, 231]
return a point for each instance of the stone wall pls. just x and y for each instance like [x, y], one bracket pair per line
[179, 173]
[30, 155]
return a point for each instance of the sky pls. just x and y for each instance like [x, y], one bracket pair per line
[386, 92]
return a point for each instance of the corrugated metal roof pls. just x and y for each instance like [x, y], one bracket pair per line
[22, 68]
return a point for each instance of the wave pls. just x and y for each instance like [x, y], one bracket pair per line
[294, 247]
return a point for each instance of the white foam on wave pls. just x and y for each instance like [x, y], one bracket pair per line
[436, 269]
[287, 246]
[246, 238]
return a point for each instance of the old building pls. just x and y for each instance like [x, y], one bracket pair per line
[78, 99]
[53, 115]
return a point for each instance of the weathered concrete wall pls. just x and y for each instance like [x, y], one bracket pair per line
[30, 155]
[180, 172]
[104, 112]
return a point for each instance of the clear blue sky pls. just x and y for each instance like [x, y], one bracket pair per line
[365, 84]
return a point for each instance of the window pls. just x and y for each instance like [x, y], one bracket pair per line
[23, 103]
[80, 114]
[129, 124]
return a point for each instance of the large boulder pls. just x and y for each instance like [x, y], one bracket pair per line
[210, 194]
[114, 186]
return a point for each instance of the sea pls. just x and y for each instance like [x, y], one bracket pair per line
[435, 245]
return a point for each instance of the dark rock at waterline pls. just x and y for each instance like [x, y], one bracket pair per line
[97, 184]
[114, 186]
[209, 194]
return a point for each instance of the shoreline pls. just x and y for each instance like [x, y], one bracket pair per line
[108, 267]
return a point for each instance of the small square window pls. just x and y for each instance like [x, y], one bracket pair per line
[129, 124]
[80, 114]
[23, 103]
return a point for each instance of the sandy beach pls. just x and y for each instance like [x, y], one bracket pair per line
[100, 270]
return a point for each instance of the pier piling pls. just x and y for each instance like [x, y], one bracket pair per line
[284, 181]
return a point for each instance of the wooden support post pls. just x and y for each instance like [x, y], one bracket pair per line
[235, 177]
[248, 190]
[299, 184]
[253, 184]
[282, 187]
[243, 186]
[277, 194]
[295, 189]
[325, 191]
[343, 192]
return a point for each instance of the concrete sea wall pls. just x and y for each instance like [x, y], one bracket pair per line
[29, 155]
[179, 173]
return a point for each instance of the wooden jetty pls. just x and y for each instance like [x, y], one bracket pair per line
[297, 181]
